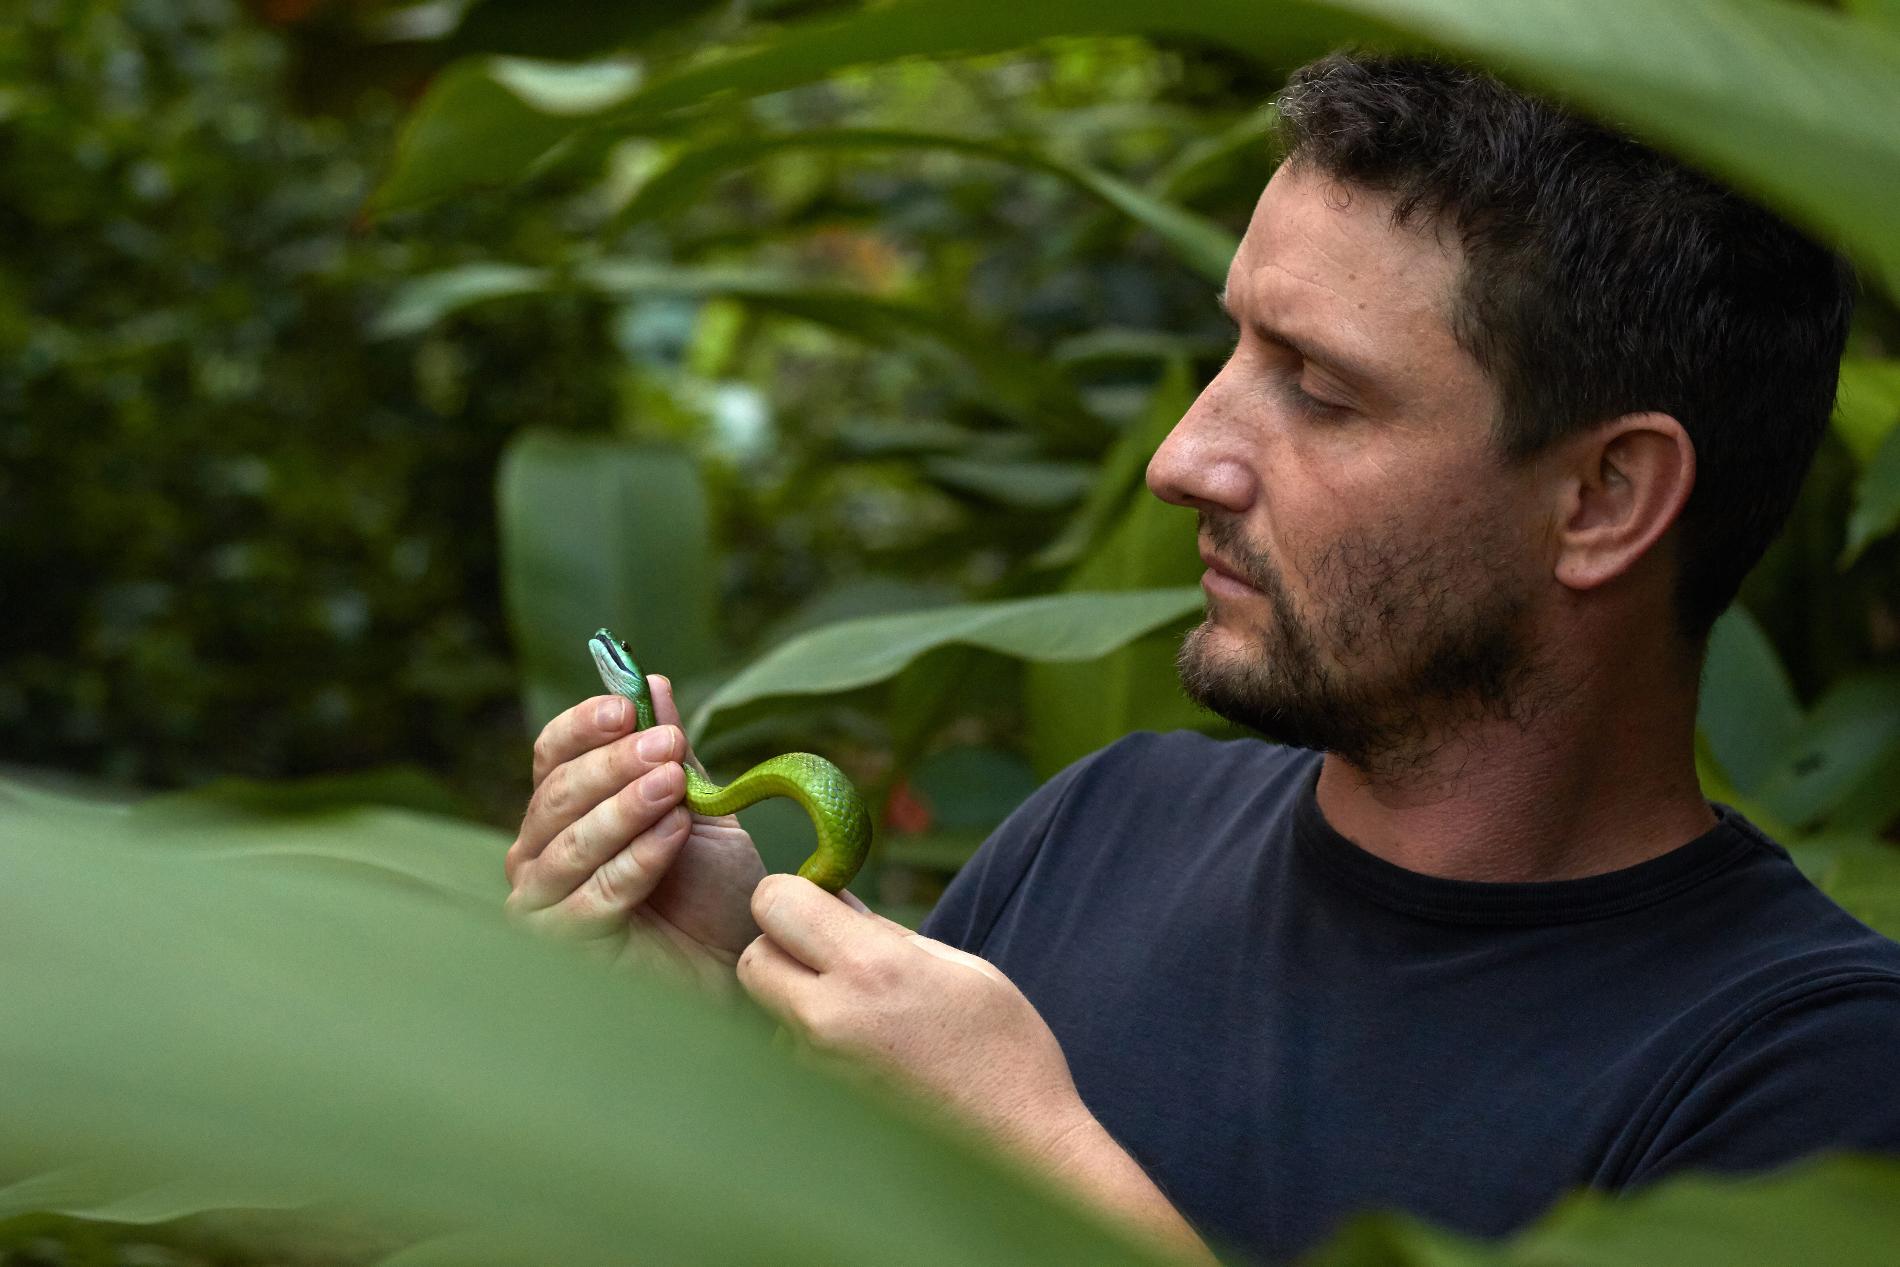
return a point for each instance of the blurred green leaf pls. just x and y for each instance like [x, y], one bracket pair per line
[1748, 707]
[873, 649]
[436, 158]
[471, 131]
[1859, 871]
[434, 1072]
[1122, 471]
[1390, 1240]
[562, 88]
[1842, 1210]
[422, 302]
[1867, 408]
[1015, 382]
[1793, 103]
[566, 28]
[602, 533]
[1876, 500]
[1844, 749]
[1073, 709]
[1025, 483]
[1201, 244]
[941, 851]
[971, 786]
[1018, 384]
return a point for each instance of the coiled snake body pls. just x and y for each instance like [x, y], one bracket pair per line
[819, 787]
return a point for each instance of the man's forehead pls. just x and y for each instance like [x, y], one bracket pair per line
[1320, 253]
[1313, 237]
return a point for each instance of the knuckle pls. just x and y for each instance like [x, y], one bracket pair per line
[568, 850]
[621, 882]
[556, 793]
[543, 753]
[870, 970]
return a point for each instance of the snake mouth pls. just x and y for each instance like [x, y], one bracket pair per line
[615, 663]
[605, 646]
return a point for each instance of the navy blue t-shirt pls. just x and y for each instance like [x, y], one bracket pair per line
[1284, 1029]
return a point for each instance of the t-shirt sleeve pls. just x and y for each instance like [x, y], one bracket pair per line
[982, 888]
[1816, 1074]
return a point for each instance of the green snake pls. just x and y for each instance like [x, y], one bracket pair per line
[819, 787]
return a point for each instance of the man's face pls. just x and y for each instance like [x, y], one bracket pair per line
[1386, 564]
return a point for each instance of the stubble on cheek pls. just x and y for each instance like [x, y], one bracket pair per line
[1409, 633]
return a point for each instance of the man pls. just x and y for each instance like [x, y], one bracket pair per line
[1514, 406]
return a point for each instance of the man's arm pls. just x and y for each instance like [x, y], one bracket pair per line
[953, 1028]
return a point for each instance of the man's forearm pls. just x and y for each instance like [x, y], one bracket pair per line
[1091, 1164]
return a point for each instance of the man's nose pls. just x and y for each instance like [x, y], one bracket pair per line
[1202, 462]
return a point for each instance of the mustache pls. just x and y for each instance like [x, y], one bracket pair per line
[1228, 539]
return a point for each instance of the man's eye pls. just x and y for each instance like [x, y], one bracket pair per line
[1310, 405]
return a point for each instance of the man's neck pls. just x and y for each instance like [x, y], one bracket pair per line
[1601, 779]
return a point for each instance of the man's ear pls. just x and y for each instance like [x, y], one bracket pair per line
[1628, 481]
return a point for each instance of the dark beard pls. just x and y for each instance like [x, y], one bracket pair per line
[1452, 656]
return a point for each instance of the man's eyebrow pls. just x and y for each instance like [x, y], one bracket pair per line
[1349, 366]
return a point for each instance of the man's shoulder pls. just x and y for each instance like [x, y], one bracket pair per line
[1800, 931]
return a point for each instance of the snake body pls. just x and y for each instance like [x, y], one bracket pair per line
[820, 788]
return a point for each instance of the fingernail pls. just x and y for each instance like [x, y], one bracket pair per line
[654, 785]
[655, 745]
[611, 714]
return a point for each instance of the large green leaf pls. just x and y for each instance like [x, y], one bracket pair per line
[1844, 757]
[1868, 407]
[1876, 500]
[1136, 541]
[856, 653]
[1793, 103]
[435, 156]
[423, 301]
[1748, 707]
[1837, 1211]
[478, 127]
[1861, 872]
[1201, 244]
[600, 532]
[172, 1023]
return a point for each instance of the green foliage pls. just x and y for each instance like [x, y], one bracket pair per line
[369, 1034]
[238, 536]
[784, 350]
[595, 533]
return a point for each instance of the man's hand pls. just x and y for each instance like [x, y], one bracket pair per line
[608, 850]
[951, 1027]
[944, 1023]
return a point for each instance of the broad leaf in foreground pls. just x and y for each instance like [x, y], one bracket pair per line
[246, 1036]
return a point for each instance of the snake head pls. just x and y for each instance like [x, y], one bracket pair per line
[618, 672]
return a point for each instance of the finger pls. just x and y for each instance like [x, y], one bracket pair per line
[666, 712]
[575, 787]
[582, 728]
[812, 925]
[665, 707]
[603, 836]
[779, 983]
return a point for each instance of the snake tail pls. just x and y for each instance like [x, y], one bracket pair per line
[820, 788]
